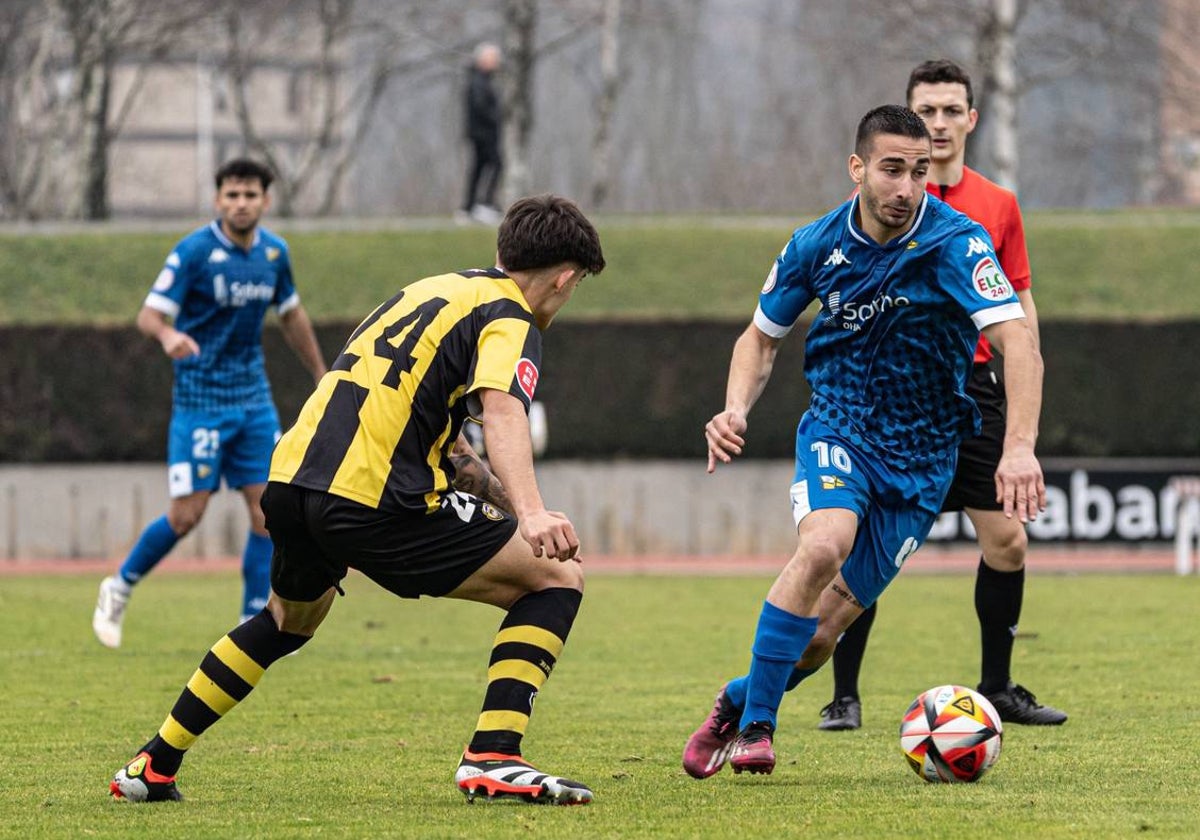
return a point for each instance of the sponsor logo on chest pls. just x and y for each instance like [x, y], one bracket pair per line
[237, 293]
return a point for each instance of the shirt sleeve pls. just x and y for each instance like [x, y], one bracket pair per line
[970, 273]
[172, 283]
[286, 296]
[508, 357]
[786, 293]
[1013, 255]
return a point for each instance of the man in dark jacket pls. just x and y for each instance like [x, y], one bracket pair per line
[483, 120]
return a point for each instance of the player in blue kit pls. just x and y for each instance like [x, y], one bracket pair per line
[905, 285]
[206, 309]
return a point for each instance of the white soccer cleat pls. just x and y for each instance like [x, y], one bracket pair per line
[110, 612]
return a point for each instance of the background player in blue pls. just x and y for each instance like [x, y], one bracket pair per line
[206, 309]
[905, 285]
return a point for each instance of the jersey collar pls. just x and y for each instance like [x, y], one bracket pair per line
[866, 240]
[215, 227]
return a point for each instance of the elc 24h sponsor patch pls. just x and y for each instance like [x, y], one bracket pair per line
[990, 282]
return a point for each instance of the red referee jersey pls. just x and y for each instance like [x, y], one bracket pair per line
[996, 209]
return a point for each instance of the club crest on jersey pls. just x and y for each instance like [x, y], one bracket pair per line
[272, 254]
[977, 245]
[490, 512]
[527, 377]
[990, 282]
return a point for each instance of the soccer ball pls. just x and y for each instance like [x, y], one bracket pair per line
[951, 734]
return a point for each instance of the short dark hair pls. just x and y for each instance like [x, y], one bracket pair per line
[544, 230]
[936, 72]
[245, 169]
[887, 119]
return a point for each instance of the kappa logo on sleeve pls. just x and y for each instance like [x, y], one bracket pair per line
[977, 245]
[527, 377]
[990, 282]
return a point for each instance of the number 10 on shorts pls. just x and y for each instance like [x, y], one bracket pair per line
[834, 455]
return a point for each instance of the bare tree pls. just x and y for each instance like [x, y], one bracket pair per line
[606, 103]
[102, 33]
[997, 55]
[520, 33]
[358, 53]
[29, 107]
[59, 61]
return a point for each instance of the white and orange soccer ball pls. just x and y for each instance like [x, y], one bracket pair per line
[951, 734]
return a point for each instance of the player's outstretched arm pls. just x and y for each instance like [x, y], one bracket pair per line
[154, 324]
[1020, 485]
[299, 334]
[749, 370]
[510, 452]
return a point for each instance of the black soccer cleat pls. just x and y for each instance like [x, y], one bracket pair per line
[842, 713]
[1016, 704]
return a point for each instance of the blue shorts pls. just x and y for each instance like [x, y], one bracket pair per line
[896, 508]
[205, 446]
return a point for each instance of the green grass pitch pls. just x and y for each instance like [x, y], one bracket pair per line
[359, 734]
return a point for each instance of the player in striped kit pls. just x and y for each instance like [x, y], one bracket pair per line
[371, 477]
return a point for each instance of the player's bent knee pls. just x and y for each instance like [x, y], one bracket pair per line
[1006, 554]
[183, 522]
[564, 575]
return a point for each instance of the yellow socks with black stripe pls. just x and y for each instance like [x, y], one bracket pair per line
[529, 642]
[228, 673]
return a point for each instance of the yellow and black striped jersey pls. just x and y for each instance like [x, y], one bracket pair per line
[380, 425]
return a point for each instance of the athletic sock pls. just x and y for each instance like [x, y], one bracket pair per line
[228, 673]
[779, 643]
[529, 642]
[998, 604]
[848, 655]
[735, 689]
[256, 574]
[152, 546]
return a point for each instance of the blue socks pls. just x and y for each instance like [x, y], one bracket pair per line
[256, 574]
[151, 547]
[778, 644]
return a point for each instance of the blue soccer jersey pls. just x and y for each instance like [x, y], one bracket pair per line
[889, 352]
[218, 293]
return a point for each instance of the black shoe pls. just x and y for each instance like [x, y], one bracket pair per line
[1017, 705]
[842, 713]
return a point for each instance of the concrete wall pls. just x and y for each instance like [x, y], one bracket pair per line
[656, 507]
[621, 507]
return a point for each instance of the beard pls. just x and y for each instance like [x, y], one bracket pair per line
[894, 214]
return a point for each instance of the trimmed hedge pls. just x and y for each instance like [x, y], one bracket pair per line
[611, 389]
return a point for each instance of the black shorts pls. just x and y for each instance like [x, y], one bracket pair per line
[974, 483]
[318, 536]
